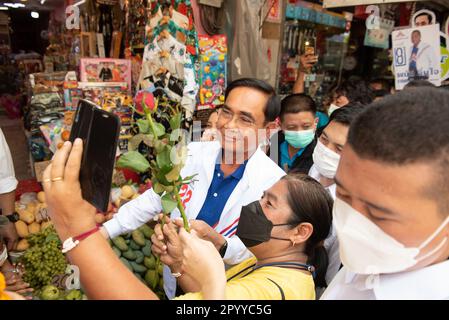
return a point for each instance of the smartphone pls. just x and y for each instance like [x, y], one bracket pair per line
[100, 131]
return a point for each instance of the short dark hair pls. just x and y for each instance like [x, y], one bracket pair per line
[411, 126]
[418, 83]
[297, 102]
[273, 106]
[417, 31]
[355, 91]
[347, 114]
[310, 202]
[386, 84]
[425, 14]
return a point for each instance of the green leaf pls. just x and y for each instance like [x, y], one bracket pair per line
[173, 175]
[159, 129]
[144, 126]
[135, 141]
[158, 188]
[133, 160]
[175, 122]
[163, 158]
[168, 203]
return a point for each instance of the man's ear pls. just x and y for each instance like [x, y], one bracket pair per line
[272, 127]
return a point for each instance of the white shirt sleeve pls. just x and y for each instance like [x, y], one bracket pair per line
[236, 251]
[134, 214]
[8, 181]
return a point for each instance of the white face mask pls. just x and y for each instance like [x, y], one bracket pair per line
[325, 160]
[332, 108]
[3, 256]
[367, 249]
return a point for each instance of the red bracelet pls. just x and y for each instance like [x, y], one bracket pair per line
[72, 242]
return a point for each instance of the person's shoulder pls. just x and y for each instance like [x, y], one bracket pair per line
[195, 148]
[265, 166]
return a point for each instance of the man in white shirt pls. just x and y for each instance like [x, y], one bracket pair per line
[326, 157]
[392, 208]
[8, 185]
[230, 173]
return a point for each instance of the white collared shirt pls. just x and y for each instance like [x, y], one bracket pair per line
[8, 181]
[429, 283]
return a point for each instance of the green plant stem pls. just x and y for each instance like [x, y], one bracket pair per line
[181, 209]
[153, 129]
[156, 278]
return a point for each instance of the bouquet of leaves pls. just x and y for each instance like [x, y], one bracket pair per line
[166, 150]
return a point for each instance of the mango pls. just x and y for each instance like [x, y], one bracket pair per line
[134, 245]
[22, 245]
[160, 269]
[120, 243]
[149, 262]
[27, 216]
[127, 192]
[46, 224]
[146, 250]
[130, 255]
[138, 237]
[138, 267]
[41, 197]
[139, 256]
[34, 228]
[22, 229]
[150, 277]
[146, 230]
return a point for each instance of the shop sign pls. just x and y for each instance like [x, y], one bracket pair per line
[416, 55]
[348, 3]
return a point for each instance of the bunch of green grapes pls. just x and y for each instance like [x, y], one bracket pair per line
[44, 259]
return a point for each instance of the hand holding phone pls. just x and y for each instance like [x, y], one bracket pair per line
[99, 131]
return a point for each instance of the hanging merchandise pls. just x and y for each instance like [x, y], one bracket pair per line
[379, 37]
[169, 58]
[249, 53]
[212, 76]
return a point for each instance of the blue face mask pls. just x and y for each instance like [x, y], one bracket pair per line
[299, 139]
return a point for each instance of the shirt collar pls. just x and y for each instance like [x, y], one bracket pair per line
[237, 174]
[426, 283]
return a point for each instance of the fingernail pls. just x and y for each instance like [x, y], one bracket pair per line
[67, 143]
[78, 141]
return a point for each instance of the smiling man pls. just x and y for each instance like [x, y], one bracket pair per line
[392, 208]
[230, 173]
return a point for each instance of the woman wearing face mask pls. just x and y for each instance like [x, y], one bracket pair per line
[284, 230]
[297, 139]
[350, 91]
[326, 157]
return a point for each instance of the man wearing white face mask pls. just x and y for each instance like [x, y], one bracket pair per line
[392, 208]
[326, 157]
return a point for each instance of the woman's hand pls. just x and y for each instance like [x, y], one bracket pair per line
[70, 213]
[167, 245]
[206, 232]
[17, 285]
[202, 262]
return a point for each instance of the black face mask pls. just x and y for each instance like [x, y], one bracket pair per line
[254, 227]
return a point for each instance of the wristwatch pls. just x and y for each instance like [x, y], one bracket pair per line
[14, 217]
[223, 249]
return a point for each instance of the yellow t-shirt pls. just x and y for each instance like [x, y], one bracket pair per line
[266, 283]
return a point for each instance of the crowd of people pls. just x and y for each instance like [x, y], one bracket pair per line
[350, 202]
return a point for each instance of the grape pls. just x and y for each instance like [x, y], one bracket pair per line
[44, 259]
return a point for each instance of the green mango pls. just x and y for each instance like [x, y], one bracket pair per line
[146, 230]
[130, 255]
[150, 277]
[139, 256]
[74, 295]
[120, 243]
[117, 251]
[126, 263]
[160, 269]
[50, 292]
[138, 267]
[138, 237]
[146, 250]
[149, 262]
[134, 245]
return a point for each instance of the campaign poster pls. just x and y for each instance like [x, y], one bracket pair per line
[416, 55]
